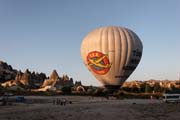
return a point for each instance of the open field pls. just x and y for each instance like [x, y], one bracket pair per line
[88, 108]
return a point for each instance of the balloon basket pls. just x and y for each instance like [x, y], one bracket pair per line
[111, 89]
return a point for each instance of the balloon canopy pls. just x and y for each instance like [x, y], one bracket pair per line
[111, 54]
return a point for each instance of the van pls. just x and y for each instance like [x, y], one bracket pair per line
[173, 98]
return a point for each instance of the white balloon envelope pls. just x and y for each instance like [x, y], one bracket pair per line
[111, 54]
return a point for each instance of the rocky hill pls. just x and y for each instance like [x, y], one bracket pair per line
[10, 76]
[55, 82]
[6, 72]
[151, 86]
[52, 80]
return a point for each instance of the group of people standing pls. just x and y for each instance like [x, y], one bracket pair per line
[60, 101]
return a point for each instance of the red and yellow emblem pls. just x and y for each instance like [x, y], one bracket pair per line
[98, 62]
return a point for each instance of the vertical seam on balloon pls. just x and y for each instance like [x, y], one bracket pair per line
[108, 42]
[119, 67]
[98, 39]
[128, 45]
[104, 36]
[133, 39]
[125, 51]
[101, 33]
[131, 43]
[140, 44]
[104, 40]
[114, 59]
[129, 39]
[120, 50]
[139, 41]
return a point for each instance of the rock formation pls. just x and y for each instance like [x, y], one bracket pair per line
[6, 72]
[64, 81]
[11, 77]
[65, 77]
[56, 83]
[30, 80]
[25, 78]
[52, 80]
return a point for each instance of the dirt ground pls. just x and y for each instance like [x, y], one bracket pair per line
[88, 108]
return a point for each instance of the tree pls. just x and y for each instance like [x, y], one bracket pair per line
[127, 89]
[134, 89]
[142, 87]
[157, 88]
[66, 89]
[148, 88]
[100, 92]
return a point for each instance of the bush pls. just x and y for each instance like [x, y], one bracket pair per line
[99, 92]
[66, 89]
[148, 89]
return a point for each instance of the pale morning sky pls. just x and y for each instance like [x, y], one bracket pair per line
[43, 35]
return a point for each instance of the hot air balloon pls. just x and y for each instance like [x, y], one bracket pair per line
[111, 54]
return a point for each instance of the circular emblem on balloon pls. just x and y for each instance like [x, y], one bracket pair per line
[98, 62]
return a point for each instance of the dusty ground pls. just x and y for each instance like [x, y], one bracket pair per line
[86, 108]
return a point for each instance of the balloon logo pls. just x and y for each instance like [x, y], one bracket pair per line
[111, 54]
[98, 62]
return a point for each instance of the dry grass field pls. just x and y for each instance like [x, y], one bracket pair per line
[88, 108]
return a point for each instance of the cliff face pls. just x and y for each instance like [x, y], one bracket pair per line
[6, 72]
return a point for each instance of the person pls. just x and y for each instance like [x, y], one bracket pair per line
[54, 101]
[151, 97]
[64, 101]
[5, 100]
[58, 101]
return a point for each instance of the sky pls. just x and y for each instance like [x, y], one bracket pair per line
[43, 35]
